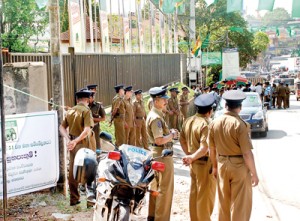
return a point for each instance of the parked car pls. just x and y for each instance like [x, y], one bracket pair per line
[253, 111]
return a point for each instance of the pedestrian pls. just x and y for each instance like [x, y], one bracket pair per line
[79, 122]
[258, 89]
[274, 95]
[267, 93]
[247, 88]
[206, 90]
[232, 158]
[141, 138]
[281, 94]
[287, 97]
[160, 138]
[118, 115]
[129, 117]
[98, 112]
[184, 102]
[193, 140]
[173, 109]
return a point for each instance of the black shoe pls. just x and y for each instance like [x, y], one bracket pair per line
[74, 203]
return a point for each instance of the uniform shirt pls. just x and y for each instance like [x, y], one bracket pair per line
[155, 125]
[97, 111]
[195, 132]
[118, 103]
[77, 118]
[281, 91]
[139, 109]
[230, 135]
[288, 91]
[183, 98]
[129, 115]
[173, 104]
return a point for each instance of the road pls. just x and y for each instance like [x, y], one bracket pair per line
[278, 164]
[277, 157]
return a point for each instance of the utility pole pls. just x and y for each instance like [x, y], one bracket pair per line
[57, 83]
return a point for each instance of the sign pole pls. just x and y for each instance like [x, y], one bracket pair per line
[3, 141]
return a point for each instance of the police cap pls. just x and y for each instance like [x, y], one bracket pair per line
[174, 89]
[92, 86]
[118, 87]
[234, 96]
[83, 93]
[139, 91]
[158, 92]
[128, 88]
[205, 100]
[185, 88]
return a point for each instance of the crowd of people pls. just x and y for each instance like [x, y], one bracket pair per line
[218, 152]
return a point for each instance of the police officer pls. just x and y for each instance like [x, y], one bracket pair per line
[129, 117]
[173, 107]
[193, 140]
[233, 162]
[184, 102]
[98, 112]
[141, 139]
[287, 97]
[118, 115]
[80, 122]
[160, 138]
[281, 94]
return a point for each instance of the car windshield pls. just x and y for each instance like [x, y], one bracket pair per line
[252, 100]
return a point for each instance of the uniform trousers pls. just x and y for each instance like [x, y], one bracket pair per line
[173, 121]
[119, 124]
[73, 184]
[141, 137]
[234, 189]
[203, 191]
[184, 112]
[130, 136]
[160, 206]
[280, 100]
[287, 101]
[96, 130]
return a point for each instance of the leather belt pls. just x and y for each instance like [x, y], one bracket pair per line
[139, 118]
[117, 115]
[167, 145]
[205, 158]
[236, 156]
[72, 137]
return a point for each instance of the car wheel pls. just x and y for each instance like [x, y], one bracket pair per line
[263, 134]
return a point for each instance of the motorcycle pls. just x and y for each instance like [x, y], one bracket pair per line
[122, 180]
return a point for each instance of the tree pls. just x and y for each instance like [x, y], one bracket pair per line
[22, 20]
[260, 42]
[278, 17]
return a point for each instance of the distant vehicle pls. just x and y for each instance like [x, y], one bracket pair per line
[253, 112]
[249, 74]
[276, 81]
[284, 75]
[290, 82]
[266, 75]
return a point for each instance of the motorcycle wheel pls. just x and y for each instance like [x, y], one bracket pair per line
[121, 214]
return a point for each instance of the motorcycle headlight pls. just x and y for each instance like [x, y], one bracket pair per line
[134, 175]
[259, 115]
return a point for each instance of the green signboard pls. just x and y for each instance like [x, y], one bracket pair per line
[209, 58]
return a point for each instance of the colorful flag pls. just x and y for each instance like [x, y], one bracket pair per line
[296, 9]
[209, 2]
[197, 47]
[277, 31]
[236, 29]
[168, 6]
[180, 7]
[41, 3]
[234, 5]
[103, 6]
[265, 5]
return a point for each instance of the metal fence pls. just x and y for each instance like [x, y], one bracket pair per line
[142, 71]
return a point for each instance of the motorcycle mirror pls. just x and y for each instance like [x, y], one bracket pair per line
[105, 136]
[166, 153]
[114, 155]
[158, 166]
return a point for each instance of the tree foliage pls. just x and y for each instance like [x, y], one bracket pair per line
[277, 17]
[21, 20]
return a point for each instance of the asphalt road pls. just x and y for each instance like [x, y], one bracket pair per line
[278, 164]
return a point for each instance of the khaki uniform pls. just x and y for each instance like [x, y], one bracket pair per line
[141, 138]
[184, 107]
[229, 135]
[173, 105]
[119, 119]
[76, 120]
[203, 184]
[160, 206]
[281, 94]
[97, 111]
[129, 119]
[287, 97]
